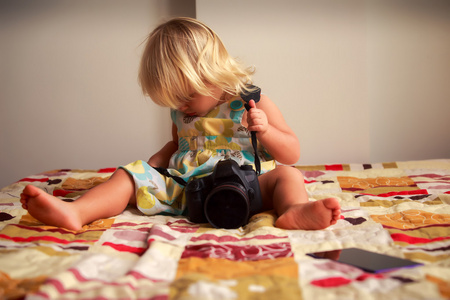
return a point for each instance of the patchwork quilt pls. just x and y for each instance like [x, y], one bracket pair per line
[398, 208]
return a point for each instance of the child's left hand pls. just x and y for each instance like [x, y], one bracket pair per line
[257, 119]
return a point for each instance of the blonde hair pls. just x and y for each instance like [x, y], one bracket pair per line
[184, 55]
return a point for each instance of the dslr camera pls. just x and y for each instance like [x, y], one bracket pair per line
[226, 198]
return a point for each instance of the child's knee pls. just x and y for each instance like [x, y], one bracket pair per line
[289, 173]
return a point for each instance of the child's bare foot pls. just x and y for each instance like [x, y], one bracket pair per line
[49, 209]
[311, 215]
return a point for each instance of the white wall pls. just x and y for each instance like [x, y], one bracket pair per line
[68, 86]
[358, 81]
[409, 79]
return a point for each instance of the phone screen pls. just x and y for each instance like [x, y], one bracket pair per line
[366, 260]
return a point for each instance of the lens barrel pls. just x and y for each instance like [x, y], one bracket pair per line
[227, 206]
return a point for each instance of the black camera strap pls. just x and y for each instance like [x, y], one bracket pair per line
[165, 172]
[254, 95]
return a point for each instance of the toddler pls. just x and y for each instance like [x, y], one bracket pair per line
[186, 67]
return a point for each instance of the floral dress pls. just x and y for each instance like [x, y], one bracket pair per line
[202, 142]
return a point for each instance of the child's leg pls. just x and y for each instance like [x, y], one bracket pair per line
[283, 189]
[103, 201]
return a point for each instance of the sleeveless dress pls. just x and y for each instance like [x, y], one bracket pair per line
[202, 142]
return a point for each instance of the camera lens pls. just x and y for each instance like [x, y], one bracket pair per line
[227, 206]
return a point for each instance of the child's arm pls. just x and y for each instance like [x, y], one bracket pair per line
[162, 157]
[272, 131]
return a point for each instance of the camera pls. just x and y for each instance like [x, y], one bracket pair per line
[226, 198]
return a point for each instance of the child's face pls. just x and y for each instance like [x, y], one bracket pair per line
[200, 104]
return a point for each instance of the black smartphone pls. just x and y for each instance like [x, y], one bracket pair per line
[366, 260]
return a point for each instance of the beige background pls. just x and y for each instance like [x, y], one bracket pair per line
[358, 81]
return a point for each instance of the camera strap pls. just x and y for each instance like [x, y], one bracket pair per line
[255, 96]
[165, 172]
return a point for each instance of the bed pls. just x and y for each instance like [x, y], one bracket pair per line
[396, 208]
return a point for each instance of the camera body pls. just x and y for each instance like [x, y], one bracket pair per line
[226, 198]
